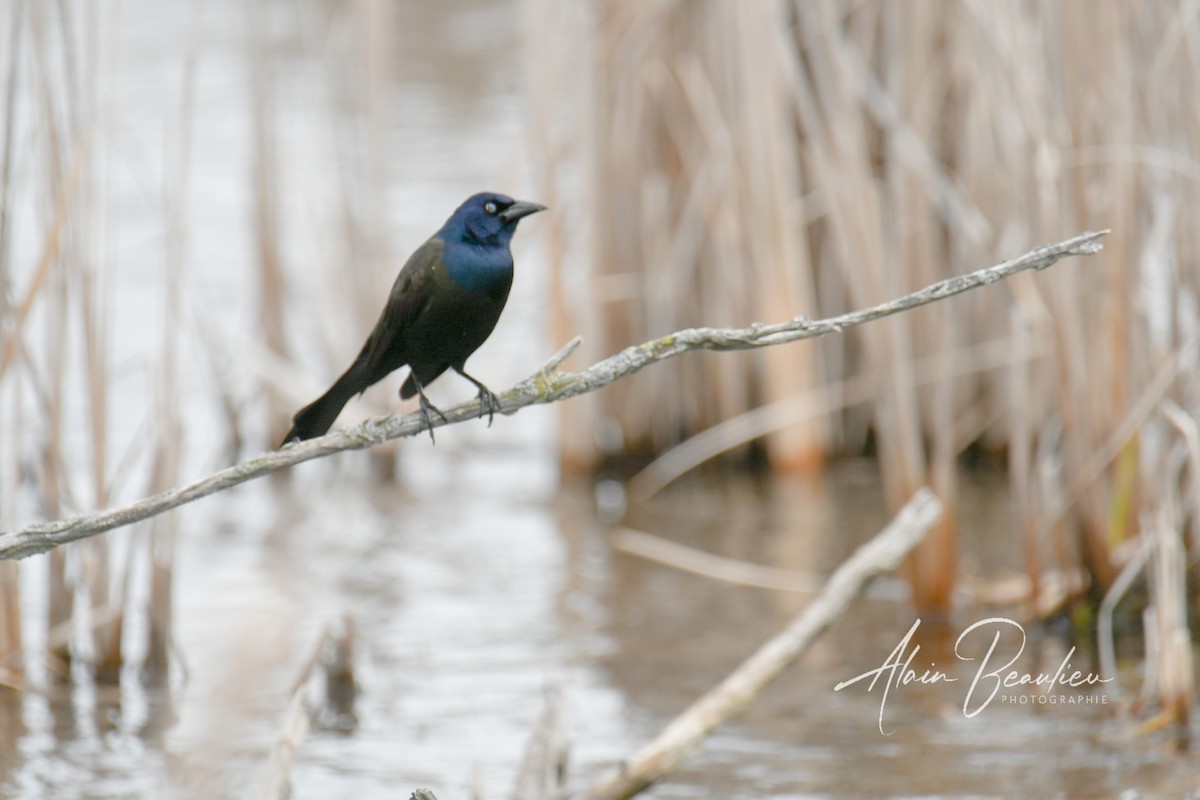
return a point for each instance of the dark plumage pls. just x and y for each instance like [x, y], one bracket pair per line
[443, 306]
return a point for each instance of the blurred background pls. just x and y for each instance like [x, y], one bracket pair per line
[203, 205]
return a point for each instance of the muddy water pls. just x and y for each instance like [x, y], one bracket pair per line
[476, 583]
[479, 587]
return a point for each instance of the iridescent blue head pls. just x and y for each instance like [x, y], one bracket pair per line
[487, 219]
[475, 241]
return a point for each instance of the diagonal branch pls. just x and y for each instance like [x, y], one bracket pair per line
[678, 740]
[547, 385]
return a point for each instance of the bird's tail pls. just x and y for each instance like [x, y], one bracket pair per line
[317, 417]
[409, 388]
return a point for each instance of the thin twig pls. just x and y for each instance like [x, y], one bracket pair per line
[834, 396]
[564, 352]
[679, 739]
[546, 386]
[698, 562]
[51, 245]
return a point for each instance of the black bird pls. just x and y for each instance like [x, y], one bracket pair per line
[443, 306]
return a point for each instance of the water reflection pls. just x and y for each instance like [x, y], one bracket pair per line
[472, 596]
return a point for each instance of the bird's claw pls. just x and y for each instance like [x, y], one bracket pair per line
[488, 404]
[426, 407]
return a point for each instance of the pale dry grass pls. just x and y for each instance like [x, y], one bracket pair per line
[56, 326]
[686, 223]
[760, 160]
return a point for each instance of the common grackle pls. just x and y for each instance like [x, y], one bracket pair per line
[443, 306]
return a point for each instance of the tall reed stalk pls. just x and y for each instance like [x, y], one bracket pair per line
[54, 98]
[265, 185]
[11, 662]
[168, 427]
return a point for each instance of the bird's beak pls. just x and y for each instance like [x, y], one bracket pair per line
[520, 209]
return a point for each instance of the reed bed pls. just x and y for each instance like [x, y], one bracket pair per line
[56, 375]
[760, 160]
[686, 222]
[109, 604]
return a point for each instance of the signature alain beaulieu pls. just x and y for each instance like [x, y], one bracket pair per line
[897, 669]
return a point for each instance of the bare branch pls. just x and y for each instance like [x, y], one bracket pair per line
[546, 386]
[679, 739]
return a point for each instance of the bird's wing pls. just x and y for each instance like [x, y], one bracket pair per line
[410, 295]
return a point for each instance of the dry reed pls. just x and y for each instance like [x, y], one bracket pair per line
[11, 639]
[57, 310]
[59, 330]
[687, 224]
[265, 184]
[905, 141]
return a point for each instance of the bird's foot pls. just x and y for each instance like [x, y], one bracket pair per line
[488, 403]
[426, 408]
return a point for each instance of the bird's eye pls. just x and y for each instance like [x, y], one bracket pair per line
[489, 207]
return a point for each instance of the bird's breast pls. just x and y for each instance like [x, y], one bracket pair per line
[480, 270]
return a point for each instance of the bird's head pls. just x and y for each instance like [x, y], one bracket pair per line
[488, 219]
